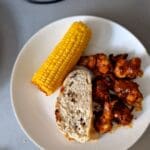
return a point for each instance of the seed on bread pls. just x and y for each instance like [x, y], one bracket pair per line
[57, 114]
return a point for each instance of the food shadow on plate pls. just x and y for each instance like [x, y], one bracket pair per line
[127, 18]
[101, 38]
[144, 83]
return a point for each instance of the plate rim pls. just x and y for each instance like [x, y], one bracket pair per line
[22, 50]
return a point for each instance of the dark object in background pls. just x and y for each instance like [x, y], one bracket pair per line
[44, 1]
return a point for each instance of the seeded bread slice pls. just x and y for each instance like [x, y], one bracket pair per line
[74, 106]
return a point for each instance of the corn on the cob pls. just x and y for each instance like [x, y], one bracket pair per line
[63, 58]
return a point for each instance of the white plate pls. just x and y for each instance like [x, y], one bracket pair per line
[35, 111]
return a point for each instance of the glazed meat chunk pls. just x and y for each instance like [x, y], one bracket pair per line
[100, 89]
[129, 92]
[104, 122]
[128, 68]
[113, 59]
[103, 64]
[122, 114]
[88, 61]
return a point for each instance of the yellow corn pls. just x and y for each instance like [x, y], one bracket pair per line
[63, 58]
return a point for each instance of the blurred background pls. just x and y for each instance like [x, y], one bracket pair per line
[19, 20]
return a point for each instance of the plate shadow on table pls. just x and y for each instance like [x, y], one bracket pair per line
[8, 52]
[131, 15]
[9, 42]
[97, 43]
[5, 148]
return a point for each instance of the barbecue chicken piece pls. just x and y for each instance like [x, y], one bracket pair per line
[129, 92]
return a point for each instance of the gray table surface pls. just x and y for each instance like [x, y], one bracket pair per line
[19, 20]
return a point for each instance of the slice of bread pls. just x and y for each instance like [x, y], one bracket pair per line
[74, 106]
